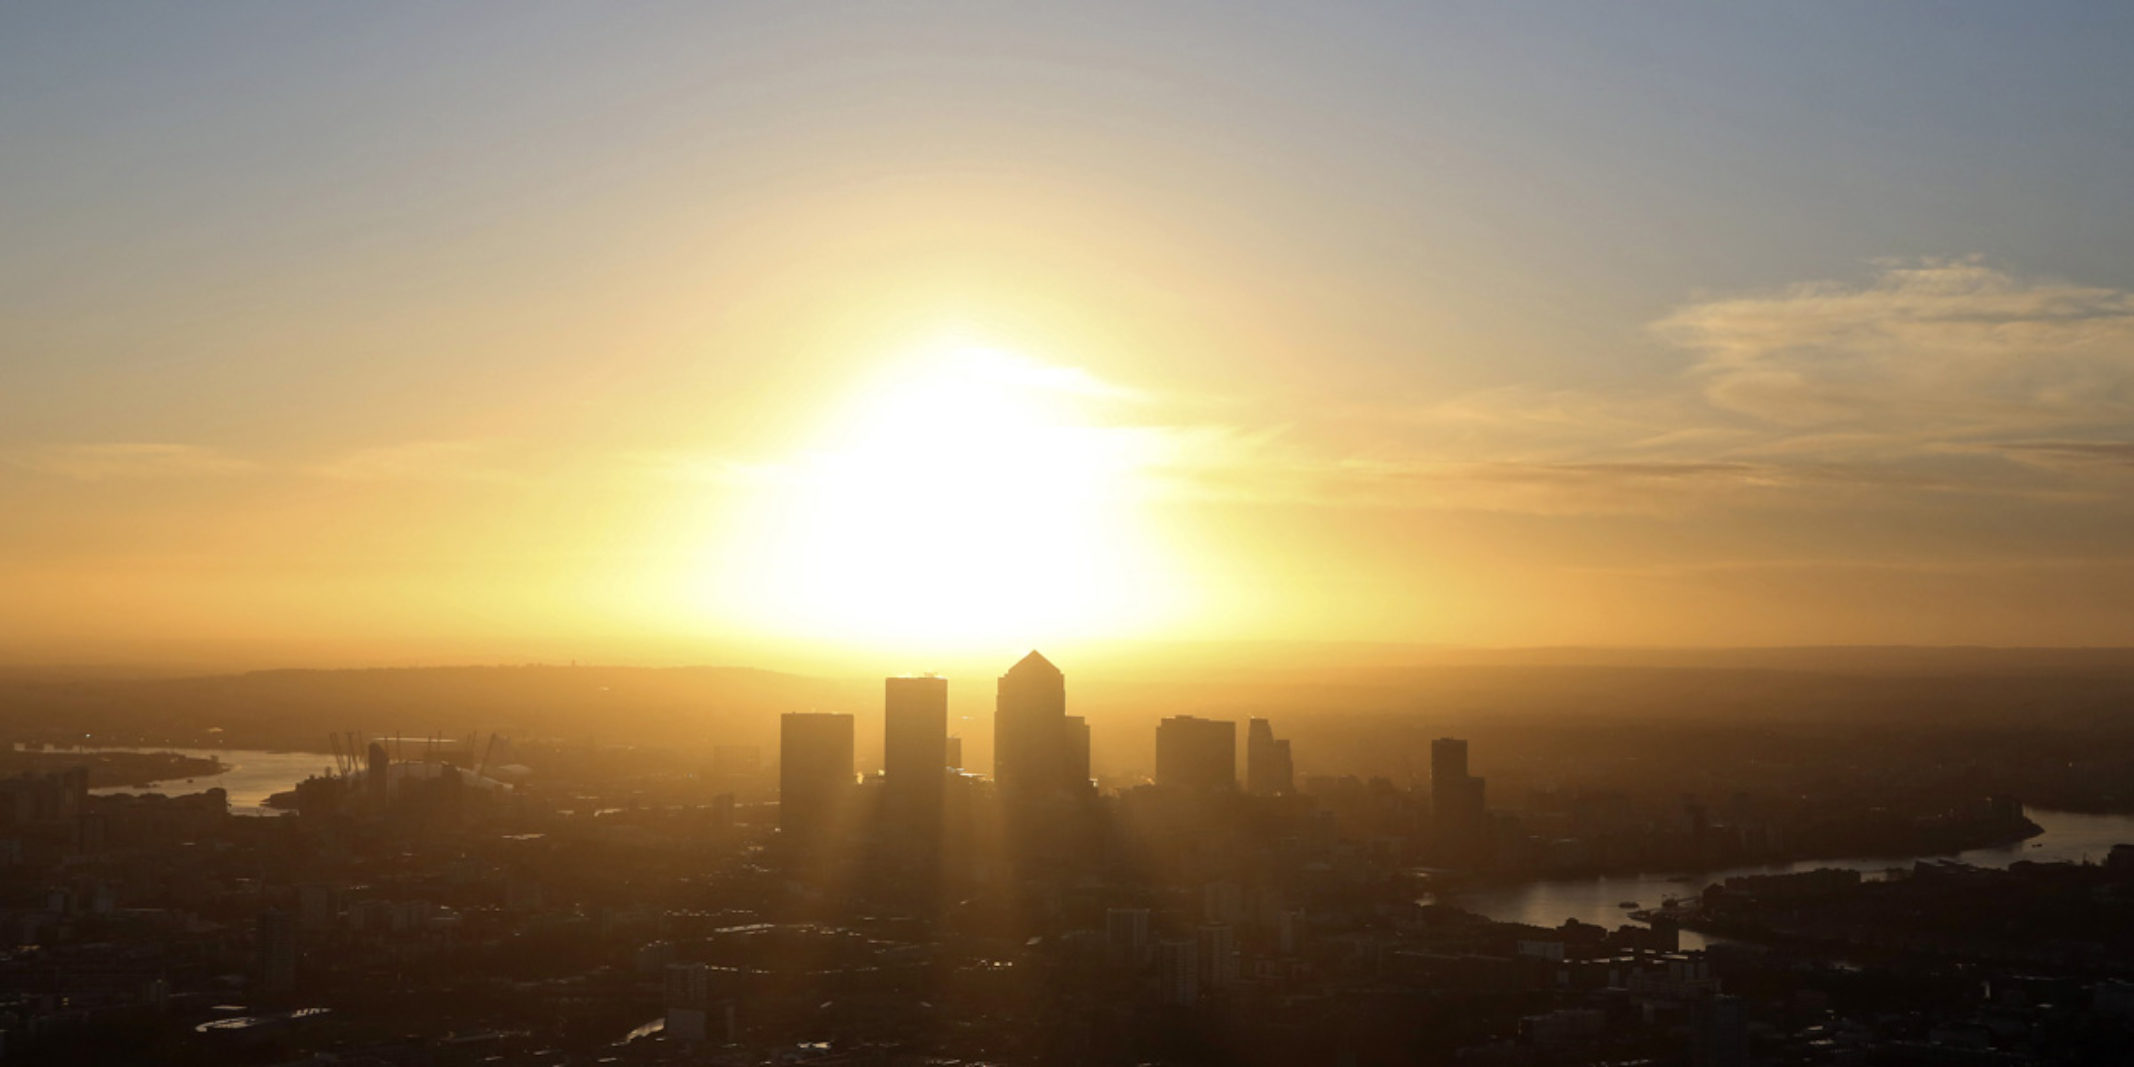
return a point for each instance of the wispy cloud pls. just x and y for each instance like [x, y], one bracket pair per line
[1931, 377]
[1947, 347]
[126, 460]
[421, 461]
[2080, 454]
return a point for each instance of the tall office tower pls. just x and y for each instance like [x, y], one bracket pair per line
[1448, 778]
[1126, 936]
[1289, 932]
[914, 740]
[688, 1000]
[1218, 956]
[1178, 971]
[1076, 769]
[318, 907]
[1457, 801]
[277, 949]
[1196, 753]
[1267, 767]
[814, 770]
[1719, 1035]
[953, 752]
[1030, 742]
[377, 773]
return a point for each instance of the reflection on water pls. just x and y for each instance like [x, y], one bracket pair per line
[2068, 837]
[250, 775]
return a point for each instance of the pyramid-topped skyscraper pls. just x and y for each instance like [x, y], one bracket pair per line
[1037, 748]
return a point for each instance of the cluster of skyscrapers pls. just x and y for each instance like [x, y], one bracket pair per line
[1039, 750]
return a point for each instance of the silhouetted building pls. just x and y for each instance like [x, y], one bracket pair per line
[1290, 925]
[1218, 956]
[1178, 971]
[953, 753]
[1458, 804]
[377, 774]
[1719, 1035]
[1268, 771]
[1448, 767]
[814, 770]
[915, 741]
[1196, 753]
[688, 1001]
[318, 907]
[1033, 747]
[1077, 769]
[277, 950]
[50, 798]
[1126, 936]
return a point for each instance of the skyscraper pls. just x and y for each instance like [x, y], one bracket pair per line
[1033, 748]
[1076, 768]
[814, 770]
[1196, 753]
[1457, 799]
[688, 1001]
[1268, 771]
[277, 950]
[1178, 971]
[915, 740]
[1218, 956]
[1126, 936]
[378, 774]
[1448, 776]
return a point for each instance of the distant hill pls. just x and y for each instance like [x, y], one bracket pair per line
[1331, 697]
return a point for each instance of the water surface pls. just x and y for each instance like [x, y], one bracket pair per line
[2068, 837]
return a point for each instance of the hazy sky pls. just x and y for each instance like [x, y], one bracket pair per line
[378, 332]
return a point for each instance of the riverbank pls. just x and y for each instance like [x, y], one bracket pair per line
[1942, 840]
[114, 769]
[2065, 837]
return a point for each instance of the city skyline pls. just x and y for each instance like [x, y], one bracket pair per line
[1438, 533]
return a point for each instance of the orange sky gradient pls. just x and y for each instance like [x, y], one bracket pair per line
[424, 338]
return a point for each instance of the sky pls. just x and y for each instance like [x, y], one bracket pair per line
[668, 333]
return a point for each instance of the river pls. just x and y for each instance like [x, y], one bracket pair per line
[250, 775]
[2068, 837]
[253, 775]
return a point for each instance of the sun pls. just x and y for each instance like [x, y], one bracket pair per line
[966, 495]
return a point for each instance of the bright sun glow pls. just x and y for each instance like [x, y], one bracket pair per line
[969, 495]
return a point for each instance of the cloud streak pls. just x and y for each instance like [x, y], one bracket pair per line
[1941, 347]
[1935, 376]
[420, 461]
[127, 461]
